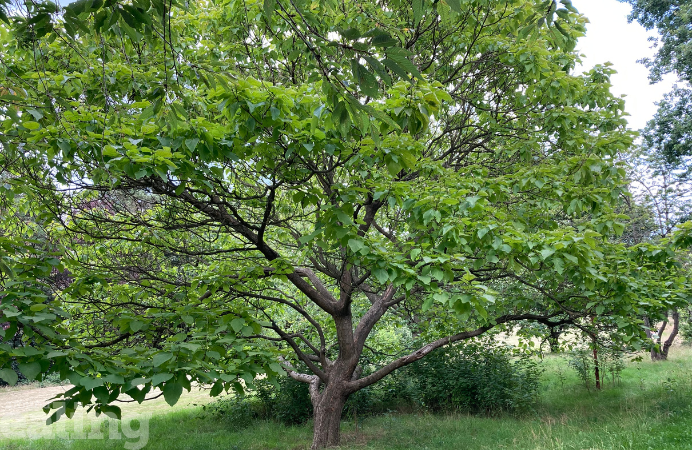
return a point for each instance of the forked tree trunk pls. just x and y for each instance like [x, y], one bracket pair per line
[327, 408]
[662, 355]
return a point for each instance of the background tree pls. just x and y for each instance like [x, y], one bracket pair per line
[670, 18]
[663, 169]
[234, 184]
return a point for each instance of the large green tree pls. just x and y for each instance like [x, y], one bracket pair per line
[231, 185]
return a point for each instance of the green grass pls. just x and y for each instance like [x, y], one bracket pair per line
[650, 409]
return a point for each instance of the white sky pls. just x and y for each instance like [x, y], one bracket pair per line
[610, 38]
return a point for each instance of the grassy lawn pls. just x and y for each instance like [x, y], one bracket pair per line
[651, 408]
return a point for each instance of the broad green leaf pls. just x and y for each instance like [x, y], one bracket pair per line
[161, 358]
[237, 324]
[417, 11]
[9, 375]
[30, 370]
[381, 274]
[216, 389]
[160, 378]
[90, 383]
[172, 392]
[356, 245]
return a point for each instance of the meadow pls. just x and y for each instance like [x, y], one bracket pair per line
[649, 407]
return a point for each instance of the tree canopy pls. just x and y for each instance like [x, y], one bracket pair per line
[667, 133]
[671, 19]
[210, 191]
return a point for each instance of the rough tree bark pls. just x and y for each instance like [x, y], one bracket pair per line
[328, 406]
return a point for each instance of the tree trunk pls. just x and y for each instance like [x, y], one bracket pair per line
[597, 372]
[596, 369]
[328, 406]
[554, 340]
[665, 346]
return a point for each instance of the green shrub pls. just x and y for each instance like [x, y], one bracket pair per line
[476, 378]
[237, 412]
[473, 378]
[287, 402]
[685, 329]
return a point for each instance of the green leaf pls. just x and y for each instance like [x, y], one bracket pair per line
[114, 378]
[356, 244]
[350, 34]
[559, 265]
[396, 68]
[379, 69]
[161, 358]
[30, 370]
[55, 416]
[269, 6]
[619, 228]
[383, 40]
[101, 393]
[427, 304]
[417, 11]
[276, 112]
[403, 62]
[191, 144]
[381, 274]
[441, 297]
[160, 378]
[90, 383]
[31, 125]
[546, 252]
[237, 324]
[172, 392]
[38, 115]
[9, 375]
[140, 17]
[216, 389]
[137, 394]
[366, 80]
[455, 5]
[276, 367]
[563, 14]
[393, 167]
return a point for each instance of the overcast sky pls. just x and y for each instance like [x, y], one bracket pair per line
[610, 38]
